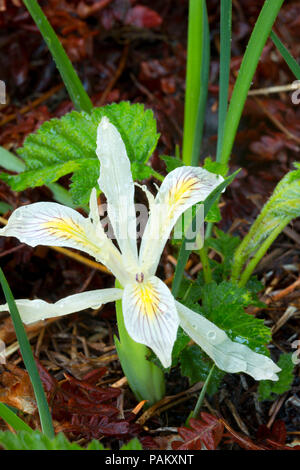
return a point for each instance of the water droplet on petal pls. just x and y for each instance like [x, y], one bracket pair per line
[96, 306]
[211, 335]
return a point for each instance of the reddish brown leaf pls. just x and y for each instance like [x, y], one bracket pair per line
[95, 428]
[88, 391]
[243, 441]
[94, 375]
[143, 17]
[78, 397]
[277, 433]
[268, 439]
[207, 431]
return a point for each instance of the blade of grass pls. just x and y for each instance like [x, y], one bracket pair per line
[62, 195]
[290, 61]
[225, 53]
[10, 162]
[197, 73]
[203, 91]
[69, 76]
[185, 253]
[45, 416]
[4, 207]
[12, 419]
[195, 413]
[249, 64]
[248, 270]
[253, 52]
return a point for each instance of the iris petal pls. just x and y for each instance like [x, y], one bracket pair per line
[117, 184]
[150, 316]
[180, 190]
[34, 310]
[227, 355]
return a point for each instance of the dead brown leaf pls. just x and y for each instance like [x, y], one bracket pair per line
[16, 389]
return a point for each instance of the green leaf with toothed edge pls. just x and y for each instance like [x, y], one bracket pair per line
[35, 440]
[196, 365]
[269, 390]
[282, 207]
[214, 214]
[224, 304]
[67, 146]
[134, 444]
[225, 245]
[171, 162]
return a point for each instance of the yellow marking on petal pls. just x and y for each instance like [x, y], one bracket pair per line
[180, 192]
[67, 229]
[146, 299]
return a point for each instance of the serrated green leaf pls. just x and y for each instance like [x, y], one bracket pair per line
[224, 305]
[255, 286]
[226, 293]
[189, 290]
[180, 344]
[225, 245]
[280, 209]
[84, 179]
[217, 273]
[67, 145]
[196, 365]
[140, 171]
[95, 445]
[35, 440]
[41, 176]
[215, 167]
[134, 444]
[214, 214]
[268, 390]
[171, 162]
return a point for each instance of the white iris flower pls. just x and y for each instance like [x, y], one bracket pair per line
[151, 313]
